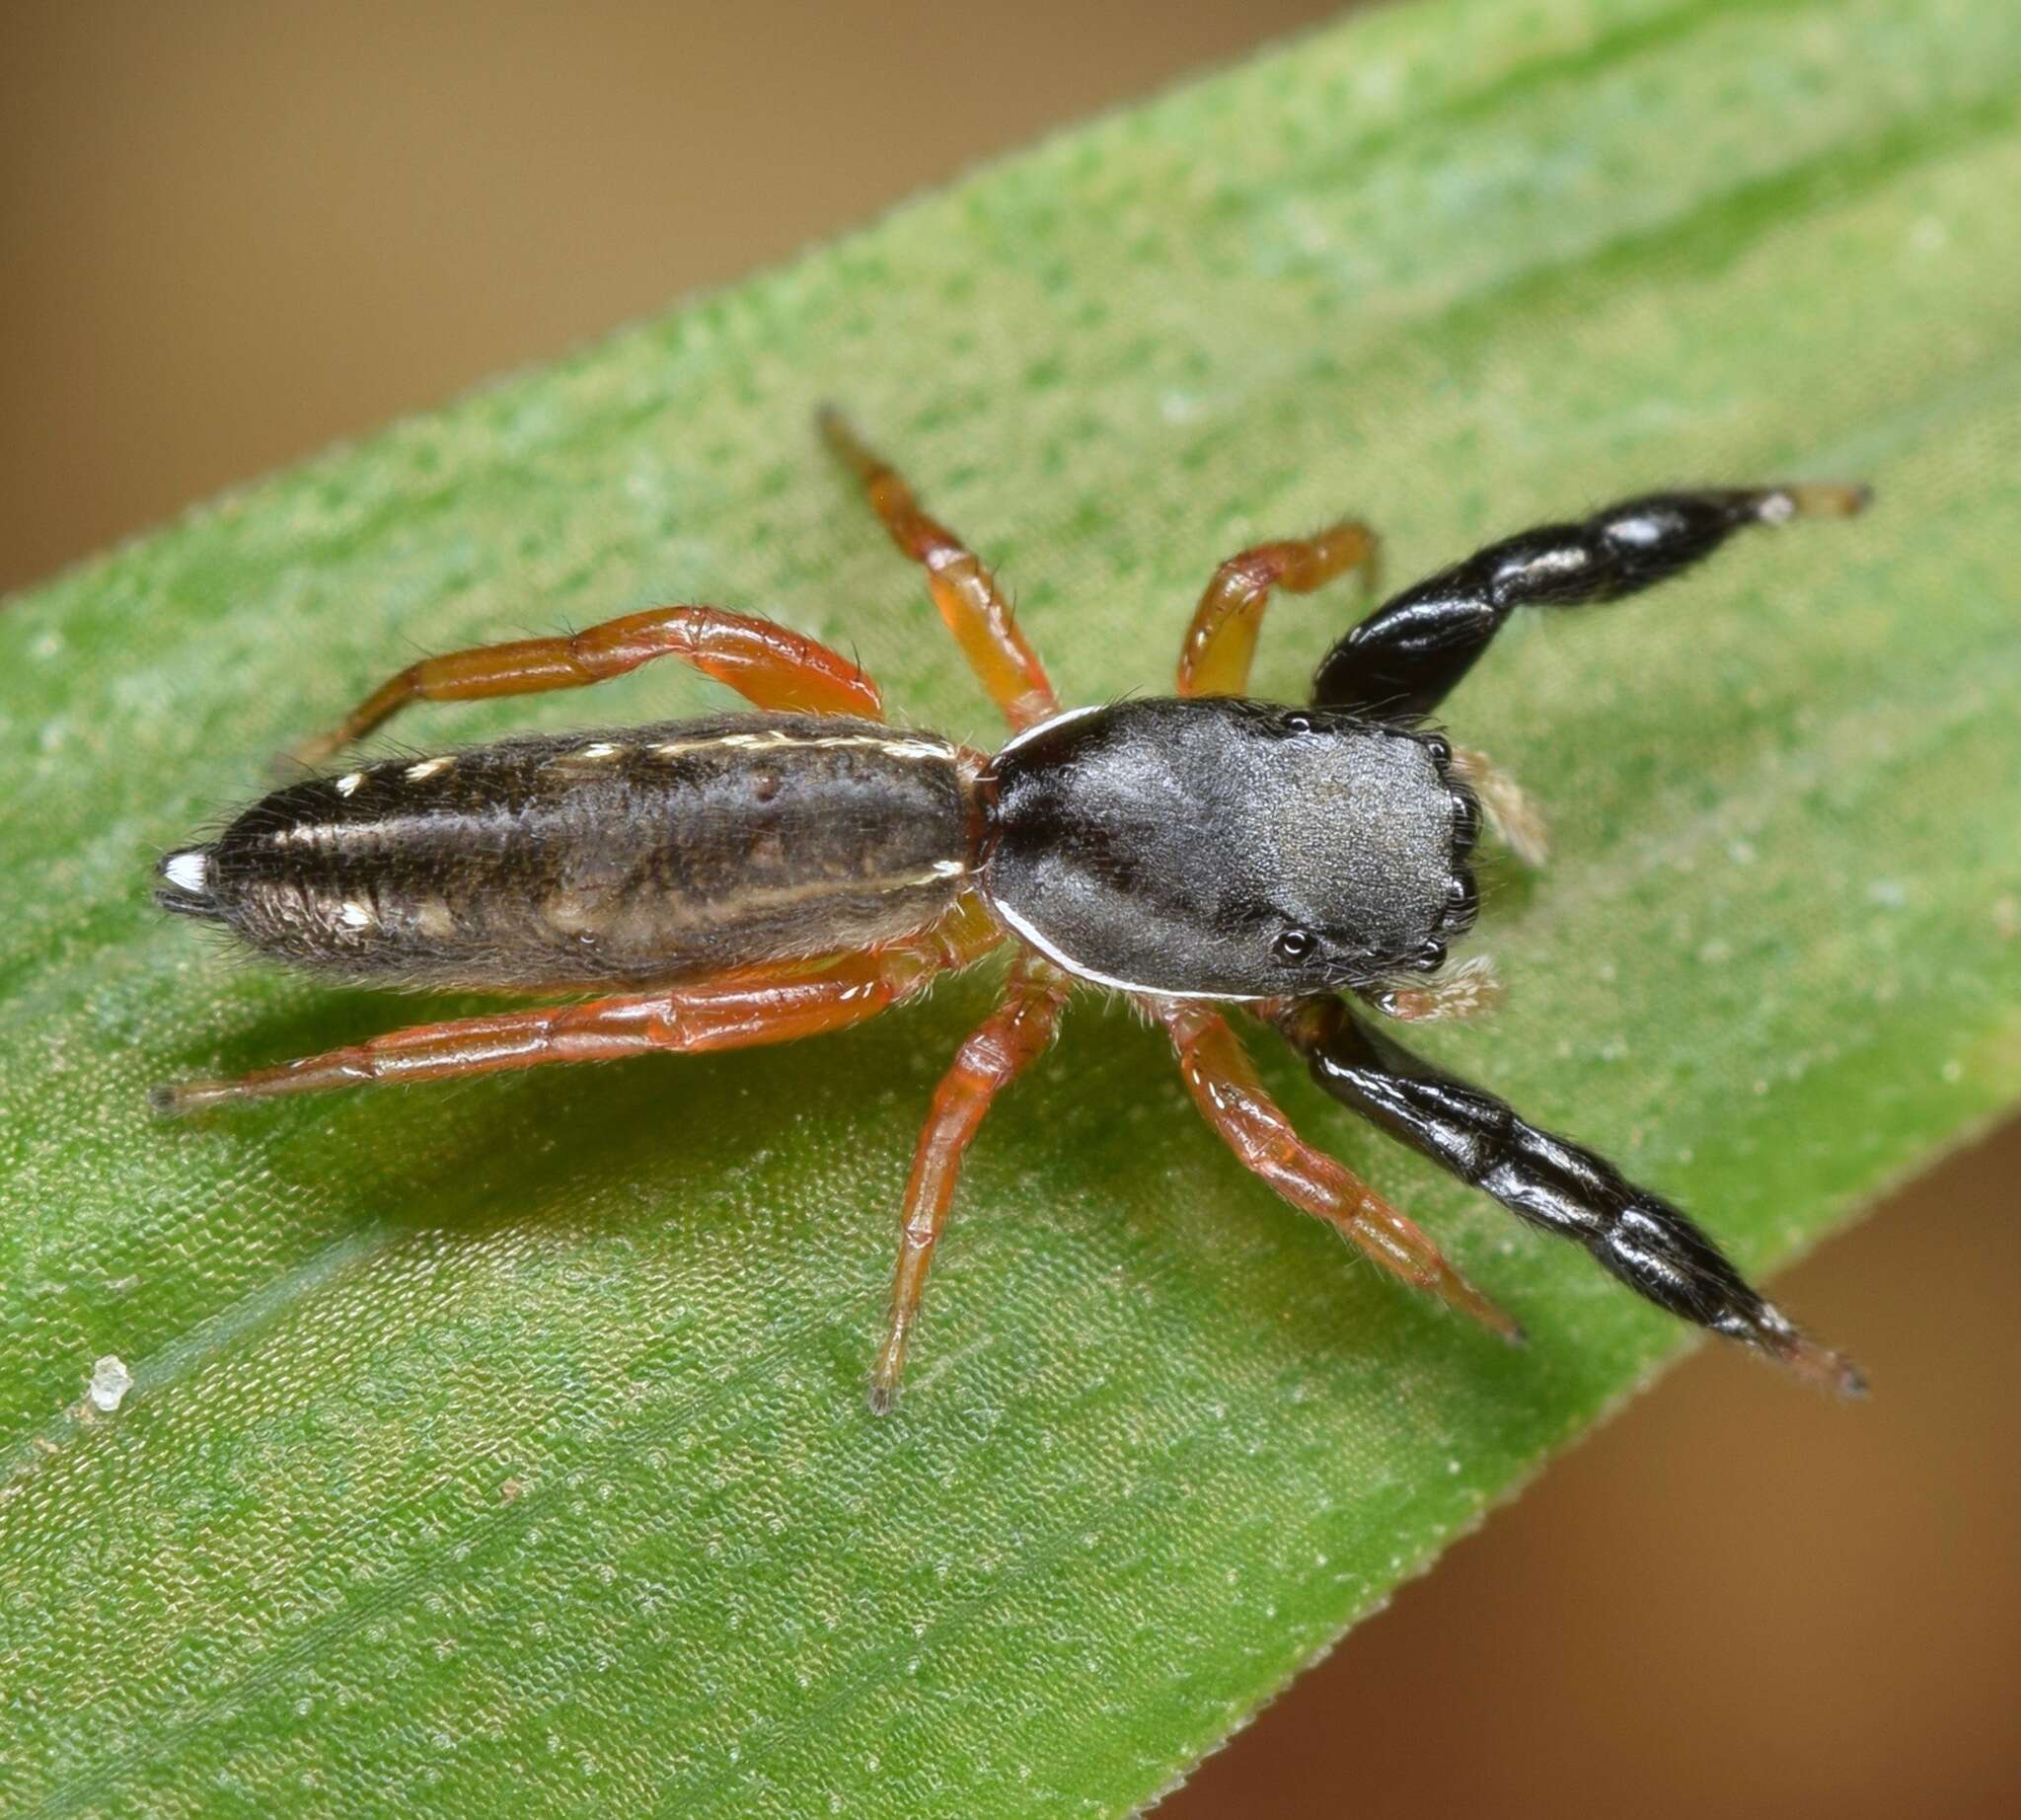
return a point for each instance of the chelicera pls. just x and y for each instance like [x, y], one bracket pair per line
[761, 877]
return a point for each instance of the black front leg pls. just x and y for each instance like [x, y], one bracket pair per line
[1550, 1182]
[1401, 661]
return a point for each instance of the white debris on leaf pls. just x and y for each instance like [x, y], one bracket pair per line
[110, 1383]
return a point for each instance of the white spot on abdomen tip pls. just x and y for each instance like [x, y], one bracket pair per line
[349, 782]
[426, 768]
[187, 870]
[355, 915]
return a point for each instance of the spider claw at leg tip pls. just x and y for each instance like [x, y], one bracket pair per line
[1820, 1365]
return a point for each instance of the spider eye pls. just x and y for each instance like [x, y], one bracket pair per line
[1295, 944]
[1296, 724]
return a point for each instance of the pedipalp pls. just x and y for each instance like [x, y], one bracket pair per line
[1509, 809]
[1469, 990]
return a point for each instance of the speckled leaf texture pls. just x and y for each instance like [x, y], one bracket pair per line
[500, 1447]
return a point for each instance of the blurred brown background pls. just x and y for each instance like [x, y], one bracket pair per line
[234, 232]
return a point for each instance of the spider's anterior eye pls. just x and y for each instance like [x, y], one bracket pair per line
[1295, 944]
[1465, 820]
[1463, 902]
[1298, 723]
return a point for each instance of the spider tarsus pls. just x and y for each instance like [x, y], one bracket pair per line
[1456, 1292]
[1443, 1280]
[313, 754]
[887, 1370]
[1830, 498]
[840, 434]
[182, 1097]
[1817, 1363]
[1767, 1327]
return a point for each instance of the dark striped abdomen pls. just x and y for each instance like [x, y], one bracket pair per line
[627, 855]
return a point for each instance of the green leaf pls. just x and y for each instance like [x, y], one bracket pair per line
[502, 1447]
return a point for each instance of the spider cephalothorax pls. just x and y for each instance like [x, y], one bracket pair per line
[1220, 848]
[759, 877]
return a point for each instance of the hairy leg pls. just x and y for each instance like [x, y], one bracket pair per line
[764, 662]
[1223, 1082]
[779, 1002]
[1402, 662]
[963, 591]
[1221, 641]
[997, 1052]
[1549, 1183]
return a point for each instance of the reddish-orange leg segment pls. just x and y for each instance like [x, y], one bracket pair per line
[963, 591]
[764, 662]
[998, 1050]
[778, 1003]
[1224, 1085]
[1222, 640]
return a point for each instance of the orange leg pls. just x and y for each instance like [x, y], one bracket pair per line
[963, 591]
[1222, 640]
[764, 662]
[999, 1049]
[778, 1003]
[1224, 1085]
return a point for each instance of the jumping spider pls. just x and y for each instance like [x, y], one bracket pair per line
[755, 877]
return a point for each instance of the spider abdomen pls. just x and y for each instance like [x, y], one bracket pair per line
[631, 855]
